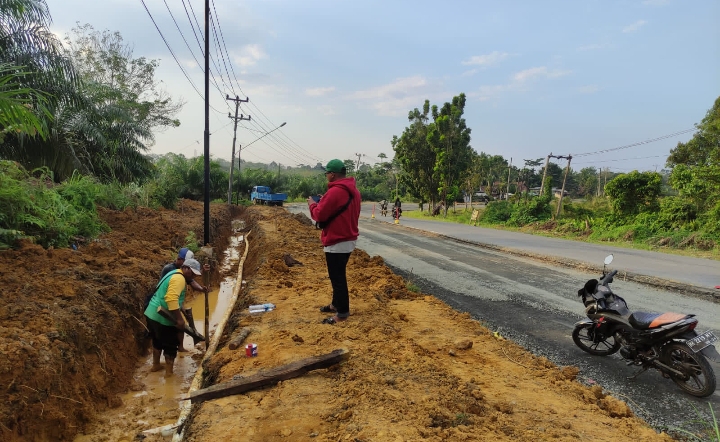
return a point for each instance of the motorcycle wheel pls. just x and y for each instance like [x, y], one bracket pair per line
[698, 379]
[586, 337]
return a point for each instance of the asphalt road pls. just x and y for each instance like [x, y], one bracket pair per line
[535, 303]
[703, 273]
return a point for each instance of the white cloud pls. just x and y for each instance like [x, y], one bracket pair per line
[487, 59]
[656, 2]
[541, 71]
[249, 55]
[520, 81]
[319, 91]
[396, 98]
[634, 27]
[589, 89]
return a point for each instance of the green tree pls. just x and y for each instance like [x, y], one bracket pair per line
[704, 147]
[587, 182]
[19, 105]
[634, 192]
[416, 157]
[449, 137]
[104, 58]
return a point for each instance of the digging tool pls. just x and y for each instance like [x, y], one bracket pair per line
[196, 337]
[189, 318]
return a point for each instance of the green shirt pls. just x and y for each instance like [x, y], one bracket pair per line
[170, 295]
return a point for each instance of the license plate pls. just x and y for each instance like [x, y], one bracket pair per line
[701, 341]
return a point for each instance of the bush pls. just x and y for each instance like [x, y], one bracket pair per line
[497, 212]
[534, 210]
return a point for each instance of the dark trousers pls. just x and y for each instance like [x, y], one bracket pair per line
[164, 338]
[336, 264]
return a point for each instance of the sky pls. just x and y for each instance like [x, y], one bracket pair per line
[566, 77]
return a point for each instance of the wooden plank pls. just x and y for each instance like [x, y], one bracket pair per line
[268, 377]
[237, 341]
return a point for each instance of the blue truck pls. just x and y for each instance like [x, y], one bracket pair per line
[264, 195]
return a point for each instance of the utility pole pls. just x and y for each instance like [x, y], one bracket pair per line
[206, 220]
[507, 193]
[542, 183]
[562, 192]
[357, 168]
[237, 101]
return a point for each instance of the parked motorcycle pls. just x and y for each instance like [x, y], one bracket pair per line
[666, 342]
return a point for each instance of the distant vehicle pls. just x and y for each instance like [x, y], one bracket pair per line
[481, 196]
[264, 195]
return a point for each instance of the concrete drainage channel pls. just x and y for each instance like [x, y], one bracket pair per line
[177, 429]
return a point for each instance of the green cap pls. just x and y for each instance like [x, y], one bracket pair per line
[336, 166]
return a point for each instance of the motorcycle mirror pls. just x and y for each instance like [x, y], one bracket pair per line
[608, 259]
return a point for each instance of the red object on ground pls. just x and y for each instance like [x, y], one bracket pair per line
[717, 286]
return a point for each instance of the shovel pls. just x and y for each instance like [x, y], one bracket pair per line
[196, 337]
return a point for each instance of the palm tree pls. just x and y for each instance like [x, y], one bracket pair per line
[84, 125]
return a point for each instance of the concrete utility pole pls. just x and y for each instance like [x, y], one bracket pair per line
[542, 183]
[237, 101]
[507, 193]
[206, 192]
[562, 192]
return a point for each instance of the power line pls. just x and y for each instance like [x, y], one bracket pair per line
[193, 27]
[214, 80]
[636, 144]
[219, 49]
[171, 51]
[624, 159]
[217, 18]
[174, 57]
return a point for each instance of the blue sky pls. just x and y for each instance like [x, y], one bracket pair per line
[561, 77]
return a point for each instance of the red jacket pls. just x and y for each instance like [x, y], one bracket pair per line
[345, 226]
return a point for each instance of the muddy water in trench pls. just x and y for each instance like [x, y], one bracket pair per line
[152, 399]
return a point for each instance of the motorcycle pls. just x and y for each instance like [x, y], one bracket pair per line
[396, 212]
[666, 342]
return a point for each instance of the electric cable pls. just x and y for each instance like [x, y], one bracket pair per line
[635, 144]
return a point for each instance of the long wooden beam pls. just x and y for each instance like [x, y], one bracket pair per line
[268, 377]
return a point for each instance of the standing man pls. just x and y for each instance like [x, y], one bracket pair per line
[183, 254]
[169, 295]
[337, 213]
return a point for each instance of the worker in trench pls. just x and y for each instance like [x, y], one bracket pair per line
[170, 296]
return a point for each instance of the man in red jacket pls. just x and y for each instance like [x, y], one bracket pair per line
[337, 213]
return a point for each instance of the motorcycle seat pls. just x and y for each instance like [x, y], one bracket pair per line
[646, 320]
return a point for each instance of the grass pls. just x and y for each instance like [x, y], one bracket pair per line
[710, 432]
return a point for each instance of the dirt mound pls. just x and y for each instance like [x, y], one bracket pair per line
[70, 320]
[418, 370]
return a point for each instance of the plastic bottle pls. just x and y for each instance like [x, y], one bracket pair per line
[260, 308]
